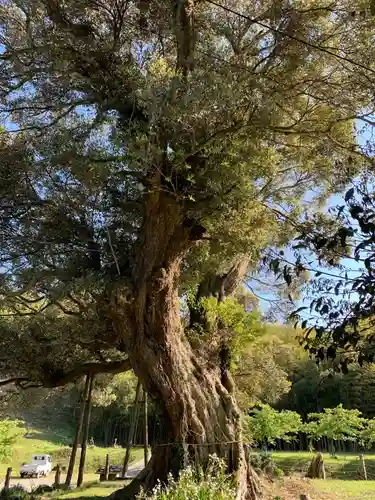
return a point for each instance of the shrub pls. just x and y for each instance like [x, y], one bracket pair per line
[262, 462]
[211, 484]
[43, 488]
[10, 432]
[15, 493]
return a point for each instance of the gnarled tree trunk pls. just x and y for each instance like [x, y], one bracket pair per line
[198, 409]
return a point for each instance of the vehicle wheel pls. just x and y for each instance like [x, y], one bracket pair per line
[22, 475]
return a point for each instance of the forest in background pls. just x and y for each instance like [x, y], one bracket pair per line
[273, 369]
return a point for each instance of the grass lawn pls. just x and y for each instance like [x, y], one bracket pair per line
[92, 490]
[38, 442]
[340, 490]
[318, 490]
[342, 466]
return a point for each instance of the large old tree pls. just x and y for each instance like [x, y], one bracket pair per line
[146, 148]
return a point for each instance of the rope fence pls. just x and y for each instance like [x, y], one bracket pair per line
[342, 467]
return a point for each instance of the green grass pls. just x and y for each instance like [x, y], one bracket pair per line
[332, 489]
[92, 490]
[39, 442]
[354, 490]
[343, 466]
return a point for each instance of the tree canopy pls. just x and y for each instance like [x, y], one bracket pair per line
[94, 101]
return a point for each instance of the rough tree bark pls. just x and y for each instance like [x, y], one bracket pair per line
[85, 435]
[197, 408]
[132, 430]
[78, 433]
[145, 426]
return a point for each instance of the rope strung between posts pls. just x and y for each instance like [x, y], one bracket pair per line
[186, 443]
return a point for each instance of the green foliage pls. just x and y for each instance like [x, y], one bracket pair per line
[238, 326]
[211, 484]
[259, 378]
[17, 493]
[262, 462]
[266, 365]
[316, 386]
[266, 425]
[339, 322]
[10, 433]
[335, 423]
[117, 390]
[54, 411]
[367, 436]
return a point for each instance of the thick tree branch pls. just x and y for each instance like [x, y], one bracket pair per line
[71, 376]
[93, 369]
[14, 380]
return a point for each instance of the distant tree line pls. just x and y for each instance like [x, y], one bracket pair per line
[266, 427]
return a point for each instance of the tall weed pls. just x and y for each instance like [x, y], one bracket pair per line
[210, 484]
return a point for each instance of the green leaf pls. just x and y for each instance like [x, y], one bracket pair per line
[349, 194]
[297, 311]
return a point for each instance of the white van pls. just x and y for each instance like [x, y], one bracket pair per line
[40, 465]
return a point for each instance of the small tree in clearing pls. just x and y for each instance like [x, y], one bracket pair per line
[367, 436]
[10, 432]
[266, 425]
[335, 423]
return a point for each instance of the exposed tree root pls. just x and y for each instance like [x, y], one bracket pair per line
[166, 460]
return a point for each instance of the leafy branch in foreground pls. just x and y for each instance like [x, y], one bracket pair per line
[340, 319]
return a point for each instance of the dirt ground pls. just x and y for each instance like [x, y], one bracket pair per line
[291, 488]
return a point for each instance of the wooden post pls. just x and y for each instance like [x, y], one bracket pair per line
[131, 430]
[78, 433]
[196, 457]
[57, 477]
[85, 436]
[363, 467]
[106, 470]
[316, 469]
[7, 478]
[145, 427]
